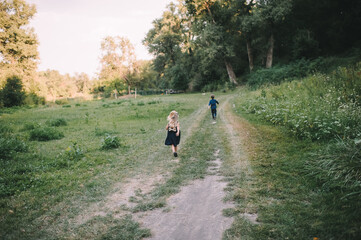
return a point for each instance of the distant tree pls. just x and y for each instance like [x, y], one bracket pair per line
[18, 44]
[82, 82]
[164, 41]
[118, 62]
[13, 93]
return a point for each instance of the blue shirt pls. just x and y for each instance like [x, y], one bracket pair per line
[213, 103]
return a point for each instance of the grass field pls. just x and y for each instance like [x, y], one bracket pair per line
[66, 170]
[54, 181]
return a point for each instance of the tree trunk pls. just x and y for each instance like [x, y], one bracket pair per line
[271, 43]
[232, 76]
[250, 55]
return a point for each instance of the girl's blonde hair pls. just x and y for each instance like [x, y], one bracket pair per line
[173, 120]
[173, 116]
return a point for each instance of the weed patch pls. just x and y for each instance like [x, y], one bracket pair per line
[10, 146]
[110, 142]
[302, 187]
[45, 134]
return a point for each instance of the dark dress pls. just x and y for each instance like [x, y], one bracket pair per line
[172, 139]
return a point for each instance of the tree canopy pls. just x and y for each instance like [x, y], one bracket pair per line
[200, 44]
[18, 43]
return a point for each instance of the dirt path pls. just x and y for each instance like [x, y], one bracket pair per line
[196, 211]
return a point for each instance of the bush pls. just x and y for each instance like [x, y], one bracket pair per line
[57, 122]
[110, 142]
[45, 134]
[61, 101]
[12, 94]
[319, 107]
[33, 99]
[30, 126]
[9, 146]
[72, 153]
[102, 132]
[5, 130]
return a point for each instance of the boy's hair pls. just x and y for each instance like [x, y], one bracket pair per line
[212, 96]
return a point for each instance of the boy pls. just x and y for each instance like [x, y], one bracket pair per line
[213, 103]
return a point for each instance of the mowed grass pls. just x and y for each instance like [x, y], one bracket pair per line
[54, 181]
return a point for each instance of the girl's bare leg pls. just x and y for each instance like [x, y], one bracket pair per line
[174, 149]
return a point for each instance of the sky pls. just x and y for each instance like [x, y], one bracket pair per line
[70, 31]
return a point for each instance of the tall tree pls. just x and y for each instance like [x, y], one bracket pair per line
[18, 43]
[118, 62]
[272, 14]
[164, 40]
[205, 11]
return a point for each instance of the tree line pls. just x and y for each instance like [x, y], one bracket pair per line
[201, 44]
[198, 45]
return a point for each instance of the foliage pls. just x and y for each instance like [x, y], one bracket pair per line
[319, 107]
[42, 183]
[57, 122]
[61, 101]
[72, 153]
[45, 134]
[119, 64]
[110, 142]
[55, 86]
[337, 170]
[299, 69]
[18, 43]
[30, 126]
[299, 188]
[34, 99]
[11, 145]
[338, 166]
[12, 94]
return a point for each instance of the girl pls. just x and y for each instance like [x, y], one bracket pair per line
[173, 135]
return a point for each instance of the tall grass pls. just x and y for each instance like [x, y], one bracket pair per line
[300, 69]
[320, 107]
[324, 111]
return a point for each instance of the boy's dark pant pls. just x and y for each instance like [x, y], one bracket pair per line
[214, 113]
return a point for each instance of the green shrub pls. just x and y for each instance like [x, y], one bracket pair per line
[11, 145]
[110, 142]
[12, 94]
[67, 106]
[318, 107]
[102, 132]
[140, 103]
[57, 122]
[33, 99]
[153, 102]
[5, 130]
[61, 101]
[72, 153]
[45, 134]
[30, 126]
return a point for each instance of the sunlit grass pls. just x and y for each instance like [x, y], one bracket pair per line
[56, 179]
